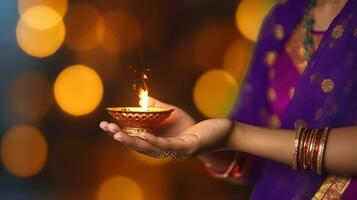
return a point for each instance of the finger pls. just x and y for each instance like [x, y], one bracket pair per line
[103, 125]
[137, 144]
[167, 144]
[112, 127]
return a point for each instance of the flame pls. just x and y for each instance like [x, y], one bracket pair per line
[144, 92]
[143, 95]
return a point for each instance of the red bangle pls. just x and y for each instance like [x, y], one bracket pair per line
[232, 169]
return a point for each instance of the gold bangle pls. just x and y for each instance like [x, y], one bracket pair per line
[320, 155]
[296, 148]
[301, 148]
[311, 146]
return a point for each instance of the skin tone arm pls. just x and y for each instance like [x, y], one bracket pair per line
[212, 135]
[278, 145]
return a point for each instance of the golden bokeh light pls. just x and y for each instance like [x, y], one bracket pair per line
[210, 44]
[85, 27]
[123, 31]
[30, 96]
[215, 93]
[23, 151]
[41, 17]
[37, 37]
[78, 90]
[120, 187]
[60, 6]
[149, 160]
[250, 15]
[237, 58]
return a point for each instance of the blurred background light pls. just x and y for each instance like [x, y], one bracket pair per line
[78, 90]
[41, 17]
[215, 93]
[237, 58]
[30, 96]
[40, 31]
[149, 160]
[250, 15]
[23, 151]
[210, 44]
[120, 187]
[123, 31]
[60, 6]
[85, 27]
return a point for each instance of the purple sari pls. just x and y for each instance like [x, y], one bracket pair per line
[325, 96]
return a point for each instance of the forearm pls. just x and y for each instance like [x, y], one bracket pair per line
[278, 145]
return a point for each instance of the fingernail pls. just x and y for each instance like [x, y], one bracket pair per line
[143, 136]
[118, 137]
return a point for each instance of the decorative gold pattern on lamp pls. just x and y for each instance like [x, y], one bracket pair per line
[327, 85]
[337, 32]
[332, 188]
[134, 120]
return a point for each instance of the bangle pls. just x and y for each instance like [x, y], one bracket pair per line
[301, 143]
[226, 172]
[296, 148]
[309, 149]
[321, 152]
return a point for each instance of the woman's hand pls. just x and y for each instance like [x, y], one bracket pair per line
[207, 136]
[204, 137]
[178, 133]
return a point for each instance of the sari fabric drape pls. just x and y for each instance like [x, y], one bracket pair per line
[325, 96]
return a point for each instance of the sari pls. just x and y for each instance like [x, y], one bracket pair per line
[325, 96]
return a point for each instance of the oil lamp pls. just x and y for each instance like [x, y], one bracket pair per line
[134, 120]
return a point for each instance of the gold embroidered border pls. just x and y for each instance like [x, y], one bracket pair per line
[332, 188]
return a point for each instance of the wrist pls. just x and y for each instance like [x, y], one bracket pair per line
[235, 135]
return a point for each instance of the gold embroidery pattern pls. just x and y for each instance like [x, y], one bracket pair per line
[295, 47]
[291, 93]
[274, 121]
[271, 94]
[332, 188]
[337, 32]
[327, 85]
[270, 58]
[279, 32]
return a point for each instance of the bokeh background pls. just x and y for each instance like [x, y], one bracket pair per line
[62, 62]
